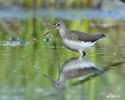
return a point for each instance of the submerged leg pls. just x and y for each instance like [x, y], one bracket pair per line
[80, 53]
[84, 53]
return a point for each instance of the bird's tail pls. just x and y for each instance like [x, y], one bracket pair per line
[98, 36]
[102, 35]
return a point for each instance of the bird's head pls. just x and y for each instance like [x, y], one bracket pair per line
[57, 25]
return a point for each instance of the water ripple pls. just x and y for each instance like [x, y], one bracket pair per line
[13, 44]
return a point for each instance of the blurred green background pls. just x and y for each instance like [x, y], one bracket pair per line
[26, 54]
[65, 4]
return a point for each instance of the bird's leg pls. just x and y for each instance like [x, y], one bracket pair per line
[84, 53]
[80, 53]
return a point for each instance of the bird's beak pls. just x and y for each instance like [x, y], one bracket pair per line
[49, 31]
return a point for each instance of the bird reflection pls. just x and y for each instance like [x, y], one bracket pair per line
[74, 68]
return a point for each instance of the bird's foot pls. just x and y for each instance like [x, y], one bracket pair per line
[84, 53]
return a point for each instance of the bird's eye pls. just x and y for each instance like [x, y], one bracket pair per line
[58, 24]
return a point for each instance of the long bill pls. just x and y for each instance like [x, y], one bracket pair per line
[49, 31]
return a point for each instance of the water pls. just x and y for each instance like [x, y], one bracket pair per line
[28, 59]
[70, 14]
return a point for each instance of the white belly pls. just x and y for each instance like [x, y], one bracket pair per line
[77, 45]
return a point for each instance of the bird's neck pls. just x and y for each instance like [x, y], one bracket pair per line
[62, 32]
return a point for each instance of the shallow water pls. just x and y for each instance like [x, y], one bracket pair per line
[28, 59]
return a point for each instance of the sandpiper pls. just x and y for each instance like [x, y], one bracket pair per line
[75, 40]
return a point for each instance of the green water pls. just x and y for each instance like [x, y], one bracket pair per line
[25, 61]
